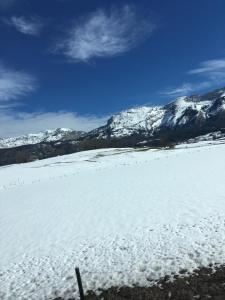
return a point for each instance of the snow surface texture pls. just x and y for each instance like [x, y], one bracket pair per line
[123, 216]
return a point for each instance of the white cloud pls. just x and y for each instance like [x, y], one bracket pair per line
[187, 89]
[178, 91]
[213, 69]
[209, 66]
[32, 26]
[104, 34]
[15, 124]
[213, 72]
[14, 84]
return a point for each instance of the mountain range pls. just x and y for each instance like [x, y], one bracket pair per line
[59, 134]
[180, 120]
[183, 118]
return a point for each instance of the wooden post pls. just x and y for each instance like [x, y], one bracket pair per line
[79, 282]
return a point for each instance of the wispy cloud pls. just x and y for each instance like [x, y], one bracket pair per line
[104, 34]
[213, 69]
[212, 72]
[184, 89]
[187, 88]
[29, 26]
[209, 66]
[15, 84]
[14, 123]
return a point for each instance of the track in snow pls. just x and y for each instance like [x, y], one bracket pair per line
[123, 216]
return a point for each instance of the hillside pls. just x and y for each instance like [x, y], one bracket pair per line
[80, 210]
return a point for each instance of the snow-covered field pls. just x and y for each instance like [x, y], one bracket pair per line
[123, 216]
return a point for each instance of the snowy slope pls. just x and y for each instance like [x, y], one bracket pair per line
[136, 120]
[35, 138]
[122, 216]
[178, 112]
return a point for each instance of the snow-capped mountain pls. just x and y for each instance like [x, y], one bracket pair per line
[162, 126]
[59, 134]
[200, 113]
[186, 116]
[143, 120]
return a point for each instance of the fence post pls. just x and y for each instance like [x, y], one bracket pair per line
[79, 282]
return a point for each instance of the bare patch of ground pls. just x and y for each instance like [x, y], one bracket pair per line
[202, 284]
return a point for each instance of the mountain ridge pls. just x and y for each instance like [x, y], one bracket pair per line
[149, 121]
[58, 134]
[155, 126]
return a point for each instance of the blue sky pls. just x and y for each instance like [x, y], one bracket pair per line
[67, 63]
